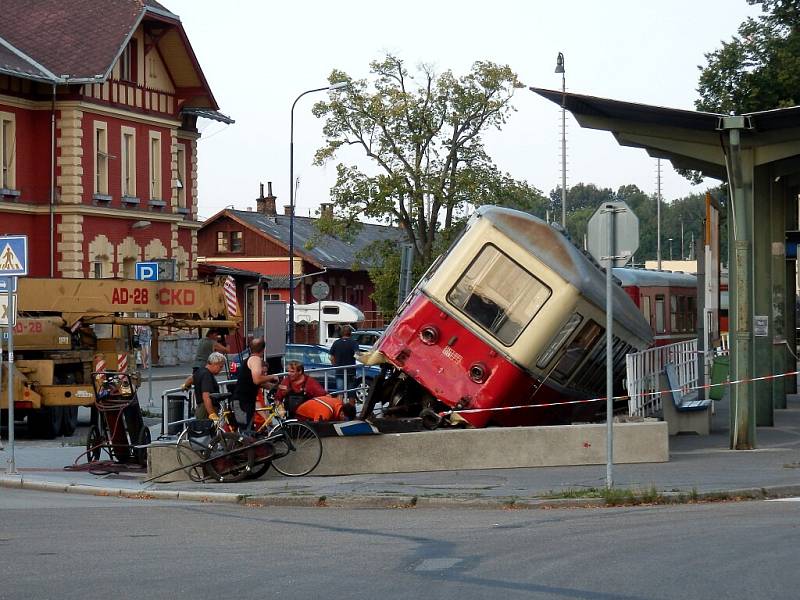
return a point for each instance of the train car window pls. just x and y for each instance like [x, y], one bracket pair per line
[576, 351]
[692, 314]
[673, 314]
[562, 335]
[498, 294]
[646, 310]
[659, 314]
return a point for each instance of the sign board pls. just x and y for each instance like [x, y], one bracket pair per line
[760, 326]
[320, 290]
[147, 271]
[166, 269]
[8, 284]
[13, 255]
[7, 318]
[626, 233]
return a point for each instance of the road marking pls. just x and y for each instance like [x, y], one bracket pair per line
[796, 499]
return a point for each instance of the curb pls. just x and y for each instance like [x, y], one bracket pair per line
[387, 502]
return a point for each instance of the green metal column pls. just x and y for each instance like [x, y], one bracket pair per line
[790, 203]
[762, 301]
[778, 334]
[740, 234]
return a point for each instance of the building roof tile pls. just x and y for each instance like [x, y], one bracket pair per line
[325, 250]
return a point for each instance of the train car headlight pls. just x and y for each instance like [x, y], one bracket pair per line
[478, 372]
[429, 335]
[558, 340]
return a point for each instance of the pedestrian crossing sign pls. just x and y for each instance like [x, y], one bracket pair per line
[13, 255]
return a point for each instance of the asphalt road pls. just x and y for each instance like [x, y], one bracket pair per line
[65, 546]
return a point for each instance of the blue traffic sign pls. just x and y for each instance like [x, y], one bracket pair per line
[147, 271]
[8, 284]
[13, 255]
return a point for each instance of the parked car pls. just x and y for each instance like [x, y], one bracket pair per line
[366, 338]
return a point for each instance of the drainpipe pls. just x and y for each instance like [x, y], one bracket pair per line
[52, 182]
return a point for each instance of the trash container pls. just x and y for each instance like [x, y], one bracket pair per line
[175, 412]
[720, 371]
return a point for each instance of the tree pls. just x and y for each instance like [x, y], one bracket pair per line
[760, 68]
[423, 136]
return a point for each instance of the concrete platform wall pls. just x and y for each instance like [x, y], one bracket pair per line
[494, 448]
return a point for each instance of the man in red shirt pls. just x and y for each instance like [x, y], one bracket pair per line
[297, 387]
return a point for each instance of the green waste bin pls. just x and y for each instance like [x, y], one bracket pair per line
[720, 371]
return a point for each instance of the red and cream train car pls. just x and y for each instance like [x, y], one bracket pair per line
[667, 300]
[512, 315]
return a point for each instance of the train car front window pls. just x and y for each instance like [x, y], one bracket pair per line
[498, 294]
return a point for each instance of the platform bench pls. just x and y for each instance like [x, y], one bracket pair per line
[686, 412]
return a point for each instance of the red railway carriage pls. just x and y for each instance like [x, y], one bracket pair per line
[666, 299]
[512, 315]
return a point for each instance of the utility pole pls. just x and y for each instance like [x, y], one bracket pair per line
[658, 213]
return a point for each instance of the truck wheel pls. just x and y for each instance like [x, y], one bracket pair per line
[70, 420]
[46, 422]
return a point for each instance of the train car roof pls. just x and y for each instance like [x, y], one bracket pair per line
[556, 251]
[649, 277]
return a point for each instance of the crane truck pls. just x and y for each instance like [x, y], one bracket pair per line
[68, 328]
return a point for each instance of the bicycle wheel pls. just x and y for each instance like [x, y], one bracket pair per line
[302, 456]
[188, 455]
[235, 460]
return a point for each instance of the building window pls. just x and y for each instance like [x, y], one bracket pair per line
[100, 158]
[128, 162]
[222, 241]
[180, 183]
[8, 146]
[236, 241]
[127, 62]
[155, 165]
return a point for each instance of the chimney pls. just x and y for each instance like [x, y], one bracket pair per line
[326, 209]
[266, 204]
[287, 210]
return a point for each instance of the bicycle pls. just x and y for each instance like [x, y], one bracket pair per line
[228, 454]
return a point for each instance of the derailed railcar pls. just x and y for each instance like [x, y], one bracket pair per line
[512, 315]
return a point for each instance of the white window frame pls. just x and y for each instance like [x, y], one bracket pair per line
[128, 161]
[154, 152]
[8, 147]
[181, 181]
[101, 157]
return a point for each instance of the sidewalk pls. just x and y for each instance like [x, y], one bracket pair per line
[698, 466]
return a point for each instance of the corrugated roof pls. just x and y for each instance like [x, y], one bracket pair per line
[323, 249]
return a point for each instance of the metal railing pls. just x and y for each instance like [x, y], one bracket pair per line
[329, 379]
[644, 370]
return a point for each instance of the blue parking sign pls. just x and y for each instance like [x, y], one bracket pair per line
[147, 271]
[13, 255]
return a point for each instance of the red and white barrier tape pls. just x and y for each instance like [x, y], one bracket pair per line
[625, 397]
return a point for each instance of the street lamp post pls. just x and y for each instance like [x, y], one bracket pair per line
[335, 86]
[560, 69]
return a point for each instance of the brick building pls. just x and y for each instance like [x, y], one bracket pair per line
[99, 101]
[258, 240]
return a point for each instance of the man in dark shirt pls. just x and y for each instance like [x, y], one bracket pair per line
[252, 377]
[343, 353]
[205, 384]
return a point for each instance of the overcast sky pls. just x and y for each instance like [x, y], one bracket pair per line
[259, 56]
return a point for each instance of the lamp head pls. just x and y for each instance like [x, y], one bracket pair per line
[338, 86]
[560, 63]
